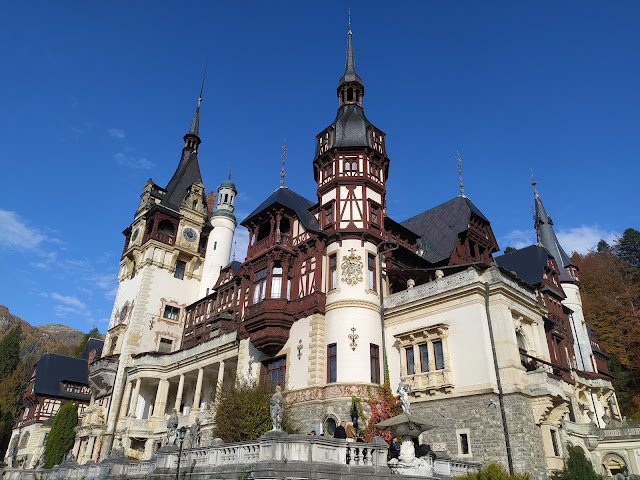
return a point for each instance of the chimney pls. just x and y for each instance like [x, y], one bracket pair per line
[211, 201]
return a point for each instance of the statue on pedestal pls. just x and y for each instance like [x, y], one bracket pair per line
[172, 428]
[277, 409]
[403, 390]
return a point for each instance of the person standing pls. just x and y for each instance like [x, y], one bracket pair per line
[340, 431]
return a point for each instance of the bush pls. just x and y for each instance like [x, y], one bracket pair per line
[493, 472]
[243, 413]
[576, 467]
[62, 435]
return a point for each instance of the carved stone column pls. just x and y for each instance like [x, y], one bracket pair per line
[136, 394]
[196, 397]
[125, 400]
[220, 380]
[161, 398]
[179, 394]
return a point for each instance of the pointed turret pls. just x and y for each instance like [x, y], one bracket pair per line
[350, 74]
[350, 88]
[547, 237]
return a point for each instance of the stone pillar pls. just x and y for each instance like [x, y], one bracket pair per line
[76, 447]
[125, 400]
[220, 380]
[161, 398]
[148, 448]
[196, 397]
[88, 453]
[179, 394]
[136, 394]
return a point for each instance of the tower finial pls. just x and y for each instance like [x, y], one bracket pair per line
[349, 19]
[533, 182]
[284, 159]
[460, 173]
[203, 77]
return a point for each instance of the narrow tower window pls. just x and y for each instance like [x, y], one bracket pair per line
[332, 363]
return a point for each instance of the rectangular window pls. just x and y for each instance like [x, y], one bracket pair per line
[439, 356]
[332, 363]
[375, 363]
[424, 357]
[165, 345]
[180, 268]
[260, 285]
[171, 312]
[554, 442]
[275, 371]
[411, 369]
[464, 444]
[328, 214]
[333, 271]
[371, 260]
[276, 282]
[374, 214]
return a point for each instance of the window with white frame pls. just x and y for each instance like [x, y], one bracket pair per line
[464, 442]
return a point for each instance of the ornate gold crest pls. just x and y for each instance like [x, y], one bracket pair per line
[352, 268]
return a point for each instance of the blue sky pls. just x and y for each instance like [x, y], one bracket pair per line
[95, 98]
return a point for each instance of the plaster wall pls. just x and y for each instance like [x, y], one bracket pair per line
[218, 252]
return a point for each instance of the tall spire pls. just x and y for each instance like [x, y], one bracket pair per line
[192, 139]
[350, 74]
[547, 236]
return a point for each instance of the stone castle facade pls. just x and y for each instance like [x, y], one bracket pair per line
[331, 295]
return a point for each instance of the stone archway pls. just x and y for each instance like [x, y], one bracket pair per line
[613, 463]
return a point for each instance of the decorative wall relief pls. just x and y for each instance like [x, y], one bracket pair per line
[353, 337]
[299, 349]
[352, 268]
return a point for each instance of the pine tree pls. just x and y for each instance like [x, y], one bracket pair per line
[628, 247]
[577, 467]
[603, 246]
[10, 352]
[62, 435]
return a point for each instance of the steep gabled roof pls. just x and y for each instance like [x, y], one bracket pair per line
[440, 226]
[53, 369]
[528, 263]
[288, 198]
[92, 344]
[187, 173]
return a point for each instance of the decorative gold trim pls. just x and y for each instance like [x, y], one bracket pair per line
[352, 268]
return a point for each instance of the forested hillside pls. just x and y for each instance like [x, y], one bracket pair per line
[610, 286]
[21, 346]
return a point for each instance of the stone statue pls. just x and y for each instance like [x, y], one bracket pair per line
[277, 409]
[172, 428]
[403, 390]
[194, 434]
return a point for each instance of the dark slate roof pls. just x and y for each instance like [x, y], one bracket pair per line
[440, 226]
[92, 344]
[235, 266]
[547, 237]
[351, 127]
[350, 74]
[195, 123]
[291, 200]
[528, 263]
[187, 173]
[53, 369]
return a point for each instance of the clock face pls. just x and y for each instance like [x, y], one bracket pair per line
[135, 234]
[190, 234]
[352, 268]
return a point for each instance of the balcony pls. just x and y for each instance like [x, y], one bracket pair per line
[431, 382]
[268, 322]
[261, 246]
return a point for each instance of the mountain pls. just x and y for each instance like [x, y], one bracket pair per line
[36, 341]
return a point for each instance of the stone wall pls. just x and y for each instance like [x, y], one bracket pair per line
[485, 430]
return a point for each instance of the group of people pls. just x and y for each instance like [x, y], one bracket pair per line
[346, 432]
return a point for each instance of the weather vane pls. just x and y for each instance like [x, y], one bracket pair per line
[284, 159]
[460, 174]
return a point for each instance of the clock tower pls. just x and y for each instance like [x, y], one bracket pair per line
[350, 169]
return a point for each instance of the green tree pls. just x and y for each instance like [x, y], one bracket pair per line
[93, 333]
[509, 250]
[10, 352]
[493, 472]
[577, 467]
[244, 414]
[603, 246]
[62, 435]
[628, 247]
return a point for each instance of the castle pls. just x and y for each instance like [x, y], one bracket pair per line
[332, 294]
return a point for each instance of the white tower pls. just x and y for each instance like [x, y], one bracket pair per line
[221, 237]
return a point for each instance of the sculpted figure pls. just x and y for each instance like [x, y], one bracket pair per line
[403, 390]
[194, 434]
[172, 428]
[277, 409]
